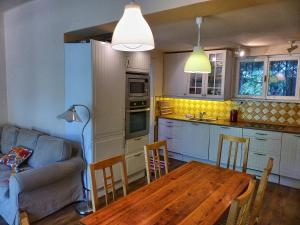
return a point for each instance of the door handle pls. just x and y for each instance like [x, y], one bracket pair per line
[139, 110]
[260, 139]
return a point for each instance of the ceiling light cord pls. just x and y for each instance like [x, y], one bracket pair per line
[198, 22]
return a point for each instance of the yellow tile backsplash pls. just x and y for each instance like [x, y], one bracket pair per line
[255, 111]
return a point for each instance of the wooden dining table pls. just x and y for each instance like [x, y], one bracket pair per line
[195, 193]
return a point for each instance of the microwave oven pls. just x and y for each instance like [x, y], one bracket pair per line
[138, 85]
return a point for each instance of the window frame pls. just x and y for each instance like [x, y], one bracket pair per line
[263, 59]
[282, 58]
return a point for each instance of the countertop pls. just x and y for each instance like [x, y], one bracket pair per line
[248, 125]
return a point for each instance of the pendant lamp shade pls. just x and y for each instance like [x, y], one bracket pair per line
[132, 32]
[197, 62]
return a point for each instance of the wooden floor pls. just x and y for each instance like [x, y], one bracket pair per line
[282, 206]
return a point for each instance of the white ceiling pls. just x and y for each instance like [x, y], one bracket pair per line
[262, 25]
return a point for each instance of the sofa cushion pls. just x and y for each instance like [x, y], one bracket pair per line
[49, 150]
[15, 157]
[27, 138]
[8, 138]
[5, 173]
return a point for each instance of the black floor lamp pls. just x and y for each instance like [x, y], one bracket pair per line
[70, 116]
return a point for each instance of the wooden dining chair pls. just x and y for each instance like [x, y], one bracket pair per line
[236, 141]
[240, 207]
[259, 198]
[152, 157]
[104, 165]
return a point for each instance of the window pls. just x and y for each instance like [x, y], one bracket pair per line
[275, 77]
[282, 77]
[251, 77]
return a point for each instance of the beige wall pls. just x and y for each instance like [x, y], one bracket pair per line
[273, 50]
[3, 99]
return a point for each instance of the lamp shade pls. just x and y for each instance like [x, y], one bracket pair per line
[70, 115]
[132, 32]
[198, 62]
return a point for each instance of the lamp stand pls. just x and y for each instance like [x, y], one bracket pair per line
[84, 207]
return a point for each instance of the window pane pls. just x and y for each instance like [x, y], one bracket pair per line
[192, 80]
[251, 78]
[282, 78]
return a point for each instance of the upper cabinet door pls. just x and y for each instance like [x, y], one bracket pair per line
[283, 78]
[175, 79]
[251, 73]
[215, 85]
[109, 90]
[138, 62]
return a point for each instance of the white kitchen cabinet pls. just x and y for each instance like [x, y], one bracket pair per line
[109, 90]
[138, 62]
[172, 132]
[263, 145]
[215, 85]
[195, 141]
[215, 132]
[134, 150]
[290, 156]
[175, 79]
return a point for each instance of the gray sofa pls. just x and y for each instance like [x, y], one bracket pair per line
[48, 181]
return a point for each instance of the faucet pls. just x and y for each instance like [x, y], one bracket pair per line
[201, 115]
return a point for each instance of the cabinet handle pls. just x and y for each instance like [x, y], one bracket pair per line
[169, 126]
[137, 139]
[259, 154]
[169, 122]
[169, 138]
[261, 134]
[196, 124]
[260, 139]
[225, 128]
[297, 135]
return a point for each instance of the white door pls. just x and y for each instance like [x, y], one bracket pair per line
[138, 62]
[290, 156]
[109, 90]
[175, 79]
[105, 148]
[172, 132]
[215, 132]
[196, 140]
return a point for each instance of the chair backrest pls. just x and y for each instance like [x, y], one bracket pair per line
[152, 158]
[258, 202]
[103, 165]
[240, 207]
[233, 141]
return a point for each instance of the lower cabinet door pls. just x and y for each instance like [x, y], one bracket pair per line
[135, 163]
[215, 132]
[259, 161]
[290, 156]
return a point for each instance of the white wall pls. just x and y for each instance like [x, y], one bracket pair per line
[3, 105]
[35, 53]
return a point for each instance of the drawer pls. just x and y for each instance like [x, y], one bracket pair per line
[265, 146]
[135, 145]
[258, 161]
[135, 162]
[169, 122]
[262, 134]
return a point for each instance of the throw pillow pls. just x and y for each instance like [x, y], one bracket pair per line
[15, 157]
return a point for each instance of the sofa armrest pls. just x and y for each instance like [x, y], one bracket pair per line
[32, 179]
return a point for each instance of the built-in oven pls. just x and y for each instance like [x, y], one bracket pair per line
[137, 118]
[137, 85]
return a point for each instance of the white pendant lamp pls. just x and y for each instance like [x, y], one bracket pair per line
[198, 61]
[132, 32]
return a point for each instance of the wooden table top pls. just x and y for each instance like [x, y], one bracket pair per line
[195, 193]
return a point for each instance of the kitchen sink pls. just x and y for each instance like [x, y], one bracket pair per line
[203, 119]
